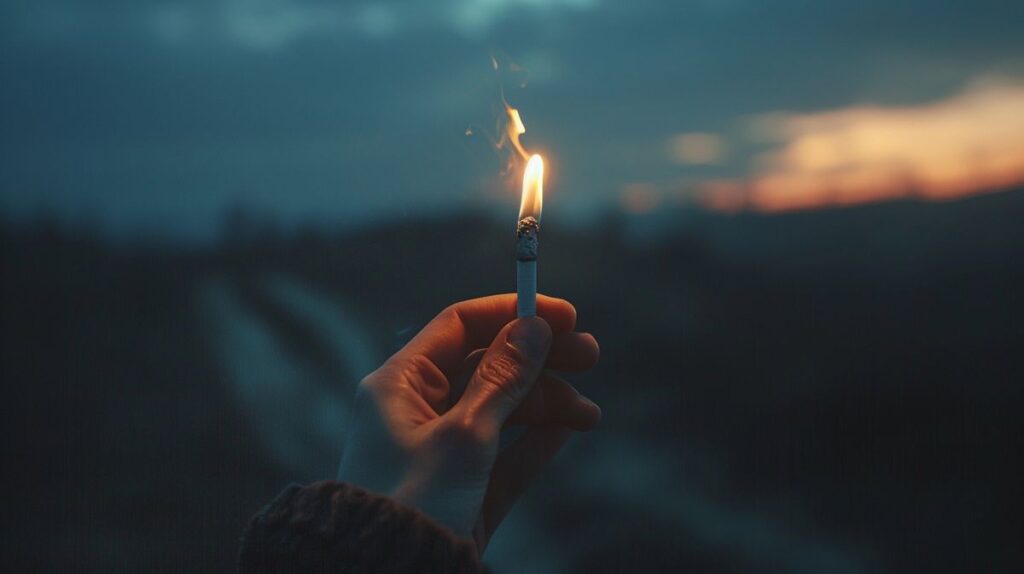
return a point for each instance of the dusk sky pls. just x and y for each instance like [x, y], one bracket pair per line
[159, 116]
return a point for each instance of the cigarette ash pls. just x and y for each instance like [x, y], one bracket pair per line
[527, 235]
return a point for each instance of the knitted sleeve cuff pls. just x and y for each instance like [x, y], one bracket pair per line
[336, 527]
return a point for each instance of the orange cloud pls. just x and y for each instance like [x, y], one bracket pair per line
[696, 148]
[970, 143]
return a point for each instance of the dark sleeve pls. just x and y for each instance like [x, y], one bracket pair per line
[335, 527]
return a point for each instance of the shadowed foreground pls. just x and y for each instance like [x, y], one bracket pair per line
[817, 392]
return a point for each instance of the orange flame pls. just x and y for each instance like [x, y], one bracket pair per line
[515, 128]
[533, 176]
[533, 188]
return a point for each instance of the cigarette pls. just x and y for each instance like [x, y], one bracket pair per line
[527, 232]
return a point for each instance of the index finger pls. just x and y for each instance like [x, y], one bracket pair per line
[469, 325]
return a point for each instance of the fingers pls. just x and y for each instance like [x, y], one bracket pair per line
[513, 471]
[460, 381]
[507, 372]
[472, 324]
[570, 352]
[573, 352]
[554, 401]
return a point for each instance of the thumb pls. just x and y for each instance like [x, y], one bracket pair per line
[507, 371]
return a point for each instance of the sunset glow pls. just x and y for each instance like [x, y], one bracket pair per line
[967, 144]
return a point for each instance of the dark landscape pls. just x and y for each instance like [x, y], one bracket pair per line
[834, 391]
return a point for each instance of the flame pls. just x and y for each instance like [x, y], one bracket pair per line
[533, 188]
[515, 128]
[533, 175]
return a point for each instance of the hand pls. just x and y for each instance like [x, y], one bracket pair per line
[426, 424]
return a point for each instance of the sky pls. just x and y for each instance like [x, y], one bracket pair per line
[160, 117]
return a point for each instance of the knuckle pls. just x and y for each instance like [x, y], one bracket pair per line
[503, 374]
[377, 383]
[419, 367]
[450, 312]
[369, 385]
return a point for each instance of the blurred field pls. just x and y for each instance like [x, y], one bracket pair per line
[835, 391]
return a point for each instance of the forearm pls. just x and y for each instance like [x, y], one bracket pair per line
[336, 527]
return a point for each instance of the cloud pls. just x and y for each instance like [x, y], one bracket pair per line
[264, 25]
[475, 16]
[268, 25]
[697, 148]
[969, 143]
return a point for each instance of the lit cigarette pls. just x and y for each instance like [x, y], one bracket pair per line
[527, 236]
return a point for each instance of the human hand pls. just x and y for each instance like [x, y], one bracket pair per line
[427, 423]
